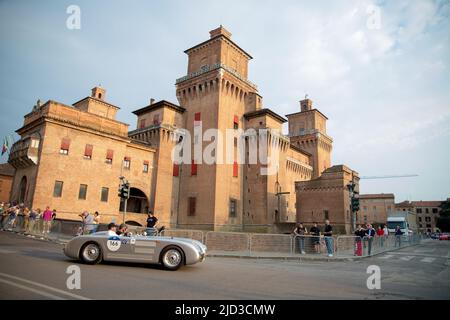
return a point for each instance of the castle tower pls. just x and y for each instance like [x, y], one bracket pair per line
[308, 131]
[216, 94]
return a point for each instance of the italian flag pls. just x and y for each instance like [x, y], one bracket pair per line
[5, 146]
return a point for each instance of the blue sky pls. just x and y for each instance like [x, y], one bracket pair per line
[385, 90]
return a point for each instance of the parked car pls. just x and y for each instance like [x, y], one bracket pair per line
[172, 253]
[444, 236]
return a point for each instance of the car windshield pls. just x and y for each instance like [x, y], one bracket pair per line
[394, 224]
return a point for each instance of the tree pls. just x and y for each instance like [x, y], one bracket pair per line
[443, 222]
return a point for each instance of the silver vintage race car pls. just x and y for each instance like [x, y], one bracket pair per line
[172, 253]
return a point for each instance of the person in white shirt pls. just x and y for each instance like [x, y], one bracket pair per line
[386, 231]
[112, 230]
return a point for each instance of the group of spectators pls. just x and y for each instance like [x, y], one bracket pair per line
[19, 217]
[368, 234]
[316, 234]
[90, 223]
[364, 237]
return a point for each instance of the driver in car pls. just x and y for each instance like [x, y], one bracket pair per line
[112, 229]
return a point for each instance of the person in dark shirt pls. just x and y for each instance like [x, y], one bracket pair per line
[299, 232]
[370, 234]
[328, 236]
[360, 233]
[151, 220]
[398, 236]
[315, 232]
[151, 223]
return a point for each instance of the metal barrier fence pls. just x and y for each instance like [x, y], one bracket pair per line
[228, 241]
[308, 244]
[178, 233]
[261, 242]
[366, 246]
[251, 244]
[54, 229]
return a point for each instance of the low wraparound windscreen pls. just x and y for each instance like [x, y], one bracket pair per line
[394, 224]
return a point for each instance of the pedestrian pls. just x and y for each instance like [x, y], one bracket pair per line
[2, 208]
[360, 234]
[370, 234]
[380, 235]
[26, 218]
[39, 221]
[32, 220]
[328, 235]
[47, 220]
[96, 221]
[398, 236]
[299, 232]
[88, 222]
[151, 220]
[18, 221]
[13, 212]
[17, 217]
[4, 214]
[315, 232]
[386, 231]
[151, 223]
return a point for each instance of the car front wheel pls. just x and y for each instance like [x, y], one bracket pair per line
[172, 258]
[91, 253]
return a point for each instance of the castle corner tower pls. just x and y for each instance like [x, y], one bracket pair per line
[308, 131]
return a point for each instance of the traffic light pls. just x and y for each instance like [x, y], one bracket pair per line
[124, 190]
[355, 204]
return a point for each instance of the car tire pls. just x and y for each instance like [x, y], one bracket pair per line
[91, 253]
[172, 258]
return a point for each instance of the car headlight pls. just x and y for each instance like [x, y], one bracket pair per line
[200, 246]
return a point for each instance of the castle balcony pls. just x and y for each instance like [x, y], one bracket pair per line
[24, 153]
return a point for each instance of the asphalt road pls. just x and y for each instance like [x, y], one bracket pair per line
[35, 269]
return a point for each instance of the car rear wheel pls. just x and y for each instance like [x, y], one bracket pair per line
[172, 258]
[91, 253]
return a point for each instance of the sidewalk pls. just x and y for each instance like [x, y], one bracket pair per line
[277, 256]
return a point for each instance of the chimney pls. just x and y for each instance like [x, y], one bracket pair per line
[98, 93]
[152, 101]
[220, 31]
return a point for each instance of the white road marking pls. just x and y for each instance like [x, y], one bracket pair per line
[7, 251]
[39, 292]
[388, 256]
[429, 260]
[407, 258]
[425, 250]
[75, 296]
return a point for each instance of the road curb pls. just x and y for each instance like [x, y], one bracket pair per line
[287, 258]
